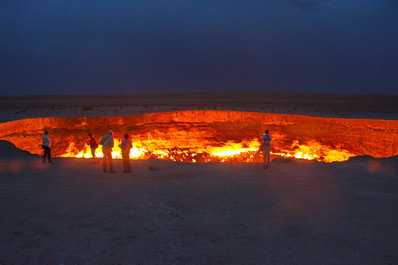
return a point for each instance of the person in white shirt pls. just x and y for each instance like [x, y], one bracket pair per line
[46, 147]
[107, 145]
[266, 138]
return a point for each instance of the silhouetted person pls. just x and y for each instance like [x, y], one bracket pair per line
[266, 148]
[126, 147]
[46, 147]
[93, 146]
[107, 145]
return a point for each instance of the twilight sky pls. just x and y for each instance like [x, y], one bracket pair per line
[151, 46]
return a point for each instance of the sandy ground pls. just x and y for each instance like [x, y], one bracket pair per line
[296, 212]
[319, 105]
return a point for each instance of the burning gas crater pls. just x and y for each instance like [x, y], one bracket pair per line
[211, 136]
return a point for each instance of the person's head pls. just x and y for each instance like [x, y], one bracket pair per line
[266, 132]
[45, 132]
[110, 132]
[90, 134]
[126, 136]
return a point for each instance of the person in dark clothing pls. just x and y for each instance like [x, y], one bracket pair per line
[93, 146]
[266, 138]
[46, 147]
[126, 147]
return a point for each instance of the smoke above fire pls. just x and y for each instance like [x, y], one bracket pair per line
[211, 136]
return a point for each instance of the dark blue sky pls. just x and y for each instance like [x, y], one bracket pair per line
[127, 46]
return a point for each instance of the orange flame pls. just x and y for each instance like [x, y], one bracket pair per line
[245, 151]
[72, 151]
[315, 150]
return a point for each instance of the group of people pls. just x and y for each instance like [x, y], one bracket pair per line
[107, 145]
[126, 145]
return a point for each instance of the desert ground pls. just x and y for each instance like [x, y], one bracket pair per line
[319, 105]
[295, 212]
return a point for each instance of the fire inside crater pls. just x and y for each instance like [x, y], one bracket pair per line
[211, 136]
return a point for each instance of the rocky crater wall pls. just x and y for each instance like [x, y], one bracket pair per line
[192, 129]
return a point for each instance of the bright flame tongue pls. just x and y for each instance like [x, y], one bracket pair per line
[245, 151]
[315, 150]
[73, 151]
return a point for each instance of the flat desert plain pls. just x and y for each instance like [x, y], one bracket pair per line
[295, 212]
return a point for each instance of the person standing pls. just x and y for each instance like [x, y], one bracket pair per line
[93, 146]
[126, 147]
[107, 145]
[47, 148]
[266, 138]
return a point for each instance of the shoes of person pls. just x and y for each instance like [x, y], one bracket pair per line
[111, 171]
[51, 162]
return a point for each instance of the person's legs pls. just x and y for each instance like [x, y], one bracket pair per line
[110, 162]
[267, 155]
[124, 163]
[49, 155]
[128, 165]
[93, 154]
[104, 162]
[45, 153]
